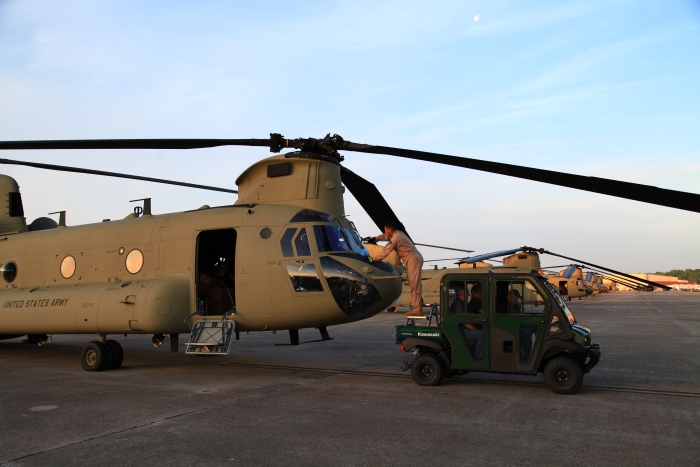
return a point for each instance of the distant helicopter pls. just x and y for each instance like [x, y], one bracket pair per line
[569, 282]
[283, 257]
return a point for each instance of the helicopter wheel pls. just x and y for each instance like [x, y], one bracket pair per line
[95, 356]
[117, 353]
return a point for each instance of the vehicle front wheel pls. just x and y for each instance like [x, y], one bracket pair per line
[563, 375]
[427, 370]
[95, 356]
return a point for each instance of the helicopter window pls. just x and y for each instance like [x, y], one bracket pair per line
[134, 261]
[68, 267]
[330, 238]
[304, 277]
[286, 242]
[307, 215]
[302, 244]
[356, 242]
[9, 271]
[216, 250]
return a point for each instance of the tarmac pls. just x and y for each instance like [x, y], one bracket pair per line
[347, 402]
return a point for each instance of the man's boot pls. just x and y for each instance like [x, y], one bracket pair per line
[415, 313]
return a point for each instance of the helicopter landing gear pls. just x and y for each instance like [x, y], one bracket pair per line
[105, 354]
[174, 342]
[294, 336]
[95, 356]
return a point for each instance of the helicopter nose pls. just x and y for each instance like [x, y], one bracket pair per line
[360, 295]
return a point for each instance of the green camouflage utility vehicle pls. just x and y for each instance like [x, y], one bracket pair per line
[500, 320]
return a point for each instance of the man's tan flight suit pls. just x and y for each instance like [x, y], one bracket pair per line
[411, 259]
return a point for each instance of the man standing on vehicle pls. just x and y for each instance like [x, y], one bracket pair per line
[409, 256]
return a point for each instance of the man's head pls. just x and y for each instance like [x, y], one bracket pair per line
[390, 227]
[476, 291]
[513, 296]
[459, 292]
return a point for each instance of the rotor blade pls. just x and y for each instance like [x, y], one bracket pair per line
[560, 266]
[625, 283]
[63, 168]
[370, 199]
[443, 259]
[474, 259]
[135, 143]
[634, 191]
[603, 273]
[629, 276]
[444, 248]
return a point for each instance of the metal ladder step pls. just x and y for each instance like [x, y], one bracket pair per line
[210, 337]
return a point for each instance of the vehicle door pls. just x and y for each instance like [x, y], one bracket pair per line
[519, 311]
[465, 320]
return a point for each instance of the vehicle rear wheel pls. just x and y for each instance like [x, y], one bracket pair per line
[427, 370]
[563, 375]
[117, 353]
[95, 356]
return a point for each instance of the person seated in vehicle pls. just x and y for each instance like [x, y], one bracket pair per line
[458, 305]
[473, 334]
[475, 305]
[508, 302]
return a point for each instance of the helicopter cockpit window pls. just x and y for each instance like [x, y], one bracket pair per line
[286, 242]
[302, 244]
[307, 215]
[304, 278]
[330, 238]
[216, 250]
[355, 242]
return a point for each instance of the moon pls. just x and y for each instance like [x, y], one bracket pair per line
[476, 18]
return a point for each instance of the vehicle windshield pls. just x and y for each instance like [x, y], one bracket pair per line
[562, 305]
[333, 238]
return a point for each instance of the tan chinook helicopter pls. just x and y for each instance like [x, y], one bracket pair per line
[282, 257]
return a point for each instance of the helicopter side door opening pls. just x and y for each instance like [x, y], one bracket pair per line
[214, 275]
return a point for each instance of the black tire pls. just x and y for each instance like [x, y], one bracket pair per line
[117, 353]
[95, 356]
[563, 375]
[427, 370]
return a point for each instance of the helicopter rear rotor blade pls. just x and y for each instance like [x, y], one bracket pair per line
[330, 145]
[633, 191]
[63, 168]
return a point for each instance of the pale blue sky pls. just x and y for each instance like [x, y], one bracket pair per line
[608, 89]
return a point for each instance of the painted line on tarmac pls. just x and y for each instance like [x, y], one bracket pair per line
[653, 392]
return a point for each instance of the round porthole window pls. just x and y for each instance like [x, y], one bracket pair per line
[265, 233]
[134, 261]
[68, 267]
[9, 271]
